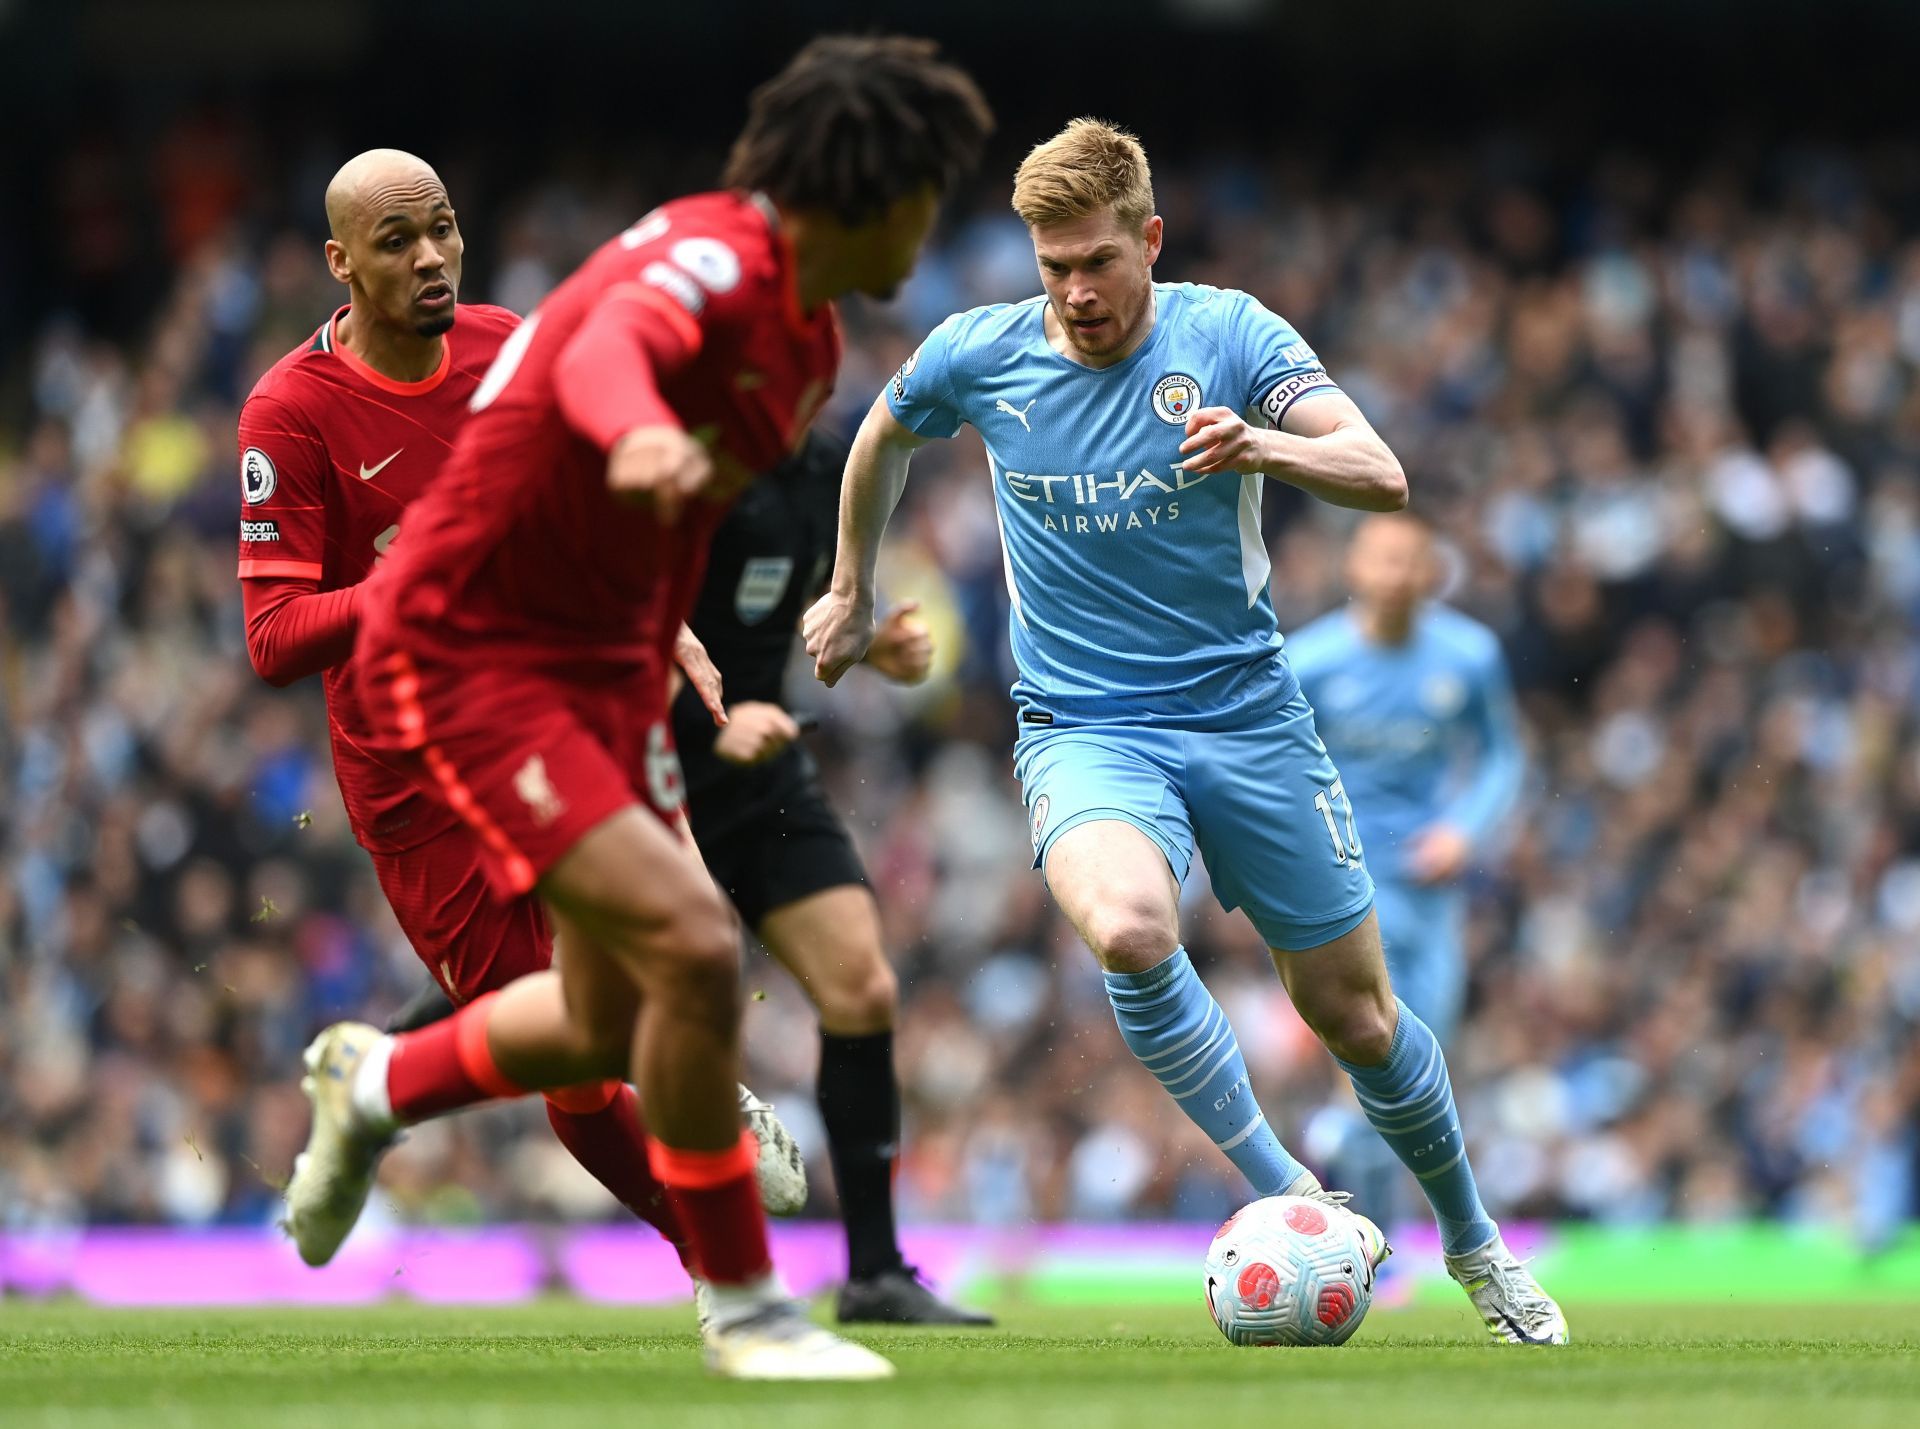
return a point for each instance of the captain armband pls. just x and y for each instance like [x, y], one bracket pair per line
[1291, 389]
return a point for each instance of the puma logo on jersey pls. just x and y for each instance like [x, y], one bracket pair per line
[368, 473]
[1003, 405]
[536, 791]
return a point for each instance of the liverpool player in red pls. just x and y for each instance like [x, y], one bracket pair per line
[514, 649]
[336, 440]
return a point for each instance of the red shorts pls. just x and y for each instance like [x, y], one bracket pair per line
[470, 941]
[529, 760]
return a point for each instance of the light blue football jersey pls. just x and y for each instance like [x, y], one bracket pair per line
[1423, 733]
[1139, 593]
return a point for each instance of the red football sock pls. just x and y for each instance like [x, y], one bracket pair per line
[610, 1140]
[718, 1201]
[445, 1066]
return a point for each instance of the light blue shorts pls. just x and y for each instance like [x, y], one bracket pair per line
[1424, 931]
[1263, 805]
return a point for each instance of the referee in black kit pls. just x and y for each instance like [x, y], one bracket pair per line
[785, 859]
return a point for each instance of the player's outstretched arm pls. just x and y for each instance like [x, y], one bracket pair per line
[1324, 447]
[606, 382]
[839, 626]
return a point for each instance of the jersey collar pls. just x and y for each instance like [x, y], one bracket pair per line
[790, 274]
[330, 342]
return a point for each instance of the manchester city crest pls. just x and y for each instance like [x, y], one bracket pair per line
[1175, 398]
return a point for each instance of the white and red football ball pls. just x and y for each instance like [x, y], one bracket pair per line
[1289, 1271]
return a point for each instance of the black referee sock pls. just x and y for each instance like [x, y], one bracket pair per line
[860, 1104]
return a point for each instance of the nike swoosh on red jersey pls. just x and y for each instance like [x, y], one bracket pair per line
[368, 473]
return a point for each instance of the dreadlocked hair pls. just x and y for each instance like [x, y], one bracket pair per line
[854, 123]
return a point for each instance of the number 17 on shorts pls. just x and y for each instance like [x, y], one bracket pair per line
[1340, 829]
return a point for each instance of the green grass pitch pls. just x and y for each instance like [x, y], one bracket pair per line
[580, 1366]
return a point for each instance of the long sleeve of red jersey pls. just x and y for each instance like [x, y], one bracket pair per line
[295, 630]
[607, 377]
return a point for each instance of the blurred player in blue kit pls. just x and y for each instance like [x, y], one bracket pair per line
[1415, 706]
[1157, 712]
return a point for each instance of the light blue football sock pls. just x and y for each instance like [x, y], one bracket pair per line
[1409, 1100]
[1172, 1024]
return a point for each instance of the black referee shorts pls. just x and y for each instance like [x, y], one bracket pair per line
[770, 838]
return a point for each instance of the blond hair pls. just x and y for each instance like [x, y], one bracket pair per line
[1087, 166]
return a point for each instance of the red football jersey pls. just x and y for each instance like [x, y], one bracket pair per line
[520, 547]
[331, 452]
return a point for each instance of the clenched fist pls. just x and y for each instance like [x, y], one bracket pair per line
[837, 629]
[1219, 439]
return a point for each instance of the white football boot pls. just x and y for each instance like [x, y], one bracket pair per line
[1516, 1310]
[332, 1176]
[1307, 1185]
[778, 1341]
[781, 1172]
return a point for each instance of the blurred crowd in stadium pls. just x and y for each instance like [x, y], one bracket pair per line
[1667, 422]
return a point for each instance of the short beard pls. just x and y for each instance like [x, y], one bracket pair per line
[1080, 343]
[434, 326]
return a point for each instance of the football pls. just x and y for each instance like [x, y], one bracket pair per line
[1289, 1271]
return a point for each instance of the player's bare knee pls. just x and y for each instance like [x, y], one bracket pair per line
[1130, 935]
[698, 928]
[1361, 1033]
[702, 967]
[600, 1041]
